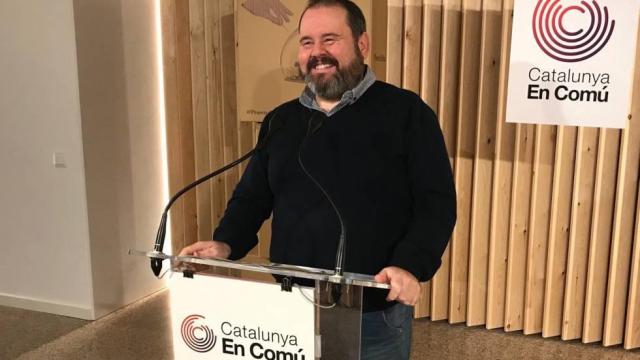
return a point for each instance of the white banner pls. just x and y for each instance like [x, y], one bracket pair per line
[223, 318]
[572, 62]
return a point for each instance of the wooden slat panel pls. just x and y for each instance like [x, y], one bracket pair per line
[465, 150]
[581, 210]
[174, 150]
[264, 234]
[632, 335]
[501, 192]
[624, 221]
[484, 160]
[229, 103]
[265, 240]
[395, 16]
[183, 40]
[214, 106]
[601, 229]
[449, 73]
[559, 231]
[632, 329]
[448, 114]
[539, 227]
[412, 38]
[200, 115]
[411, 67]
[519, 228]
[378, 24]
[429, 91]
[430, 56]
[247, 141]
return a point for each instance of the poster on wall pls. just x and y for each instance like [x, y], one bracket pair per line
[267, 54]
[572, 62]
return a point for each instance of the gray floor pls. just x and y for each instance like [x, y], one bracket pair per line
[140, 331]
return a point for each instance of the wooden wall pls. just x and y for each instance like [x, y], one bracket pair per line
[548, 232]
[547, 239]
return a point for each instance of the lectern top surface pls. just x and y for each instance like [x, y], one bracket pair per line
[363, 280]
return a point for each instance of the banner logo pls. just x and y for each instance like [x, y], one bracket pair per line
[565, 43]
[198, 337]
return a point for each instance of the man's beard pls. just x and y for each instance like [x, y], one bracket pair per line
[333, 86]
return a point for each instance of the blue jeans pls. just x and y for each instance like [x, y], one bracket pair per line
[386, 335]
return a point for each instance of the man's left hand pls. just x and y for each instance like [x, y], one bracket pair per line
[405, 288]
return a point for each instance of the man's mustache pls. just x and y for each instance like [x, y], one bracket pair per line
[323, 59]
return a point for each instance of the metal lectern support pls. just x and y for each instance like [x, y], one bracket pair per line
[338, 327]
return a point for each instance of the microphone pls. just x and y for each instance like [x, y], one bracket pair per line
[341, 251]
[156, 264]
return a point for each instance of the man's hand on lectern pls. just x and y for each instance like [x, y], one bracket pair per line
[203, 249]
[207, 249]
[405, 288]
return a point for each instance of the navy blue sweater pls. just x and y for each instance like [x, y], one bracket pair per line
[382, 160]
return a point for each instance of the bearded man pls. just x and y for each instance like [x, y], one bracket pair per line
[379, 154]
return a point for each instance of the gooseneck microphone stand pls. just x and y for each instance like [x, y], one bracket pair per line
[156, 263]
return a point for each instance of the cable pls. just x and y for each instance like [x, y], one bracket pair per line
[343, 231]
[312, 301]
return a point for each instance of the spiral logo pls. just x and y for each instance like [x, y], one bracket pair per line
[198, 337]
[567, 44]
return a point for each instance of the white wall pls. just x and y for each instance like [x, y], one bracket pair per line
[122, 143]
[44, 258]
[88, 89]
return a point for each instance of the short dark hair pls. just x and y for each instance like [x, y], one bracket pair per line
[355, 17]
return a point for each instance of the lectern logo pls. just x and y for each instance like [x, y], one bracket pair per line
[566, 43]
[197, 335]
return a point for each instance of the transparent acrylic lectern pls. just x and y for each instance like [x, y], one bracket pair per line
[337, 299]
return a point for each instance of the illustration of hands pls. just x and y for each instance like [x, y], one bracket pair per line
[272, 10]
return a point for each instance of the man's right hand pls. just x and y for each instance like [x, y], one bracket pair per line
[211, 249]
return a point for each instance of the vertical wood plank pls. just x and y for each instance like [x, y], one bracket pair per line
[246, 135]
[214, 106]
[186, 118]
[411, 67]
[265, 240]
[501, 192]
[632, 329]
[200, 116]
[601, 230]
[622, 240]
[378, 24]
[447, 115]
[539, 227]
[429, 92]
[448, 74]
[183, 62]
[465, 152]
[412, 38]
[229, 102]
[559, 231]
[624, 221]
[519, 229]
[581, 210]
[174, 149]
[430, 57]
[264, 234]
[484, 160]
[395, 15]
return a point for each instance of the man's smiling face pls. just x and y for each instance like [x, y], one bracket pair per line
[329, 56]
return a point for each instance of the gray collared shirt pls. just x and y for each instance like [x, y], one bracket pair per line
[308, 97]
